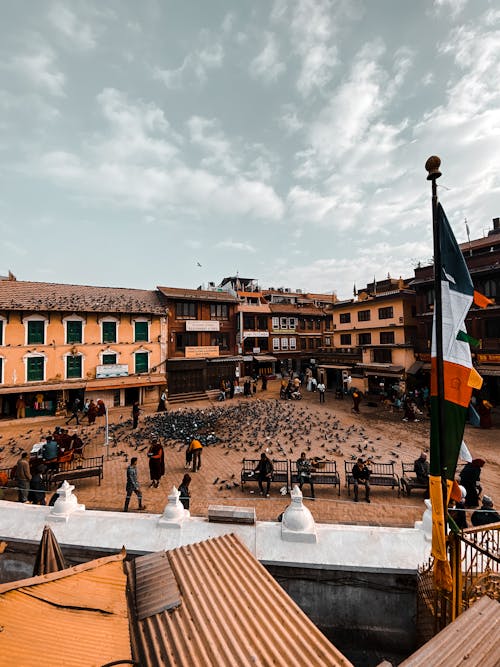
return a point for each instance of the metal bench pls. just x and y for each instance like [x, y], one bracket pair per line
[382, 474]
[91, 467]
[280, 473]
[324, 472]
[409, 479]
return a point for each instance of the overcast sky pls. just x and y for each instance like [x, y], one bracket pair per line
[282, 140]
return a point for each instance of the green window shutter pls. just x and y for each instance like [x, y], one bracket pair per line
[74, 331]
[36, 332]
[108, 359]
[74, 366]
[141, 331]
[109, 332]
[141, 362]
[35, 369]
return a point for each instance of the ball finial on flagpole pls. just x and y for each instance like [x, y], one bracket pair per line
[432, 165]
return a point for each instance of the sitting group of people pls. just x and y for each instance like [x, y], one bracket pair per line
[60, 442]
[290, 389]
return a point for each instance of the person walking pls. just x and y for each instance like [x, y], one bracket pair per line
[37, 490]
[264, 470]
[184, 491]
[156, 455]
[74, 411]
[321, 391]
[195, 449]
[469, 478]
[356, 400]
[91, 412]
[135, 414]
[133, 485]
[361, 475]
[23, 477]
[20, 407]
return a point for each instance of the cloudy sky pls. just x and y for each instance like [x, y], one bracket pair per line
[282, 140]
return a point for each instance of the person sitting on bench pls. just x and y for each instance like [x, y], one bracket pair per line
[361, 475]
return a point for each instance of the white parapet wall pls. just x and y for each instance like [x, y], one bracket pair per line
[335, 546]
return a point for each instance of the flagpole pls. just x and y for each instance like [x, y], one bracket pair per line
[432, 166]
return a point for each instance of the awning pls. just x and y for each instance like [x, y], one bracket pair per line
[415, 368]
[336, 367]
[488, 370]
[41, 388]
[265, 359]
[380, 369]
[124, 382]
[384, 373]
[218, 360]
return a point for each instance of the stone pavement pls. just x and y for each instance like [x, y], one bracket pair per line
[388, 436]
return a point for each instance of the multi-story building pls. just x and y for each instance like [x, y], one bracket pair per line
[61, 341]
[482, 256]
[201, 346]
[373, 337]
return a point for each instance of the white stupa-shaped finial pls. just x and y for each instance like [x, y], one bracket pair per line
[66, 504]
[174, 513]
[298, 524]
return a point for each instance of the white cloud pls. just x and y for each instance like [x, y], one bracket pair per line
[451, 7]
[195, 66]
[75, 30]
[236, 245]
[289, 119]
[206, 134]
[38, 67]
[267, 66]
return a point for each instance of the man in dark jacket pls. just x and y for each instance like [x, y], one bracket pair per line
[133, 485]
[361, 475]
[264, 472]
[23, 477]
[304, 472]
[486, 514]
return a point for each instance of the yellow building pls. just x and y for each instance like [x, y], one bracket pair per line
[59, 341]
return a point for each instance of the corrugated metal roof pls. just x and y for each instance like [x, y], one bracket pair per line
[473, 639]
[77, 617]
[232, 613]
[23, 295]
[196, 294]
[155, 586]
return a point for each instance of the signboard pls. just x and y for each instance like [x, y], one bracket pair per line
[495, 358]
[202, 325]
[202, 351]
[256, 334]
[111, 371]
[256, 350]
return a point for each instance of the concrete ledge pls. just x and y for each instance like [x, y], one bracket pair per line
[231, 514]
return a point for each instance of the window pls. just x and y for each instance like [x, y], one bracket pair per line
[292, 322]
[490, 288]
[317, 324]
[74, 331]
[492, 327]
[310, 325]
[36, 332]
[262, 323]
[345, 318]
[276, 344]
[74, 366]
[381, 356]
[109, 332]
[141, 332]
[303, 343]
[35, 368]
[284, 323]
[276, 322]
[219, 311]
[183, 340]
[221, 340]
[141, 362]
[317, 343]
[385, 313]
[108, 359]
[386, 337]
[292, 343]
[249, 322]
[345, 339]
[328, 341]
[185, 310]
[364, 315]
[364, 339]
[284, 343]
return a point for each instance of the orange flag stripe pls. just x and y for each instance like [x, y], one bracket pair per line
[481, 300]
[456, 383]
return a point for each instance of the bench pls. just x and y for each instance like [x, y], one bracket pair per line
[382, 474]
[409, 479]
[280, 474]
[324, 472]
[90, 467]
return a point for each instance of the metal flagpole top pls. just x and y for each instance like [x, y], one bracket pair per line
[432, 166]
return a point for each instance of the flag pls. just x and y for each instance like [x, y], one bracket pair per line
[459, 378]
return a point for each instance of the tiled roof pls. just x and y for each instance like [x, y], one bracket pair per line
[196, 294]
[77, 617]
[23, 295]
[232, 612]
[296, 310]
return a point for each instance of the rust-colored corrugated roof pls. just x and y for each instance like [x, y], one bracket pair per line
[472, 639]
[232, 612]
[22, 295]
[196, 294]
[156, 589]
[77, 617]
[296, 310]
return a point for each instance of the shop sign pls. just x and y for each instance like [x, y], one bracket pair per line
[256, 350]
[202, 351]
[256, 334]
[111, 371]
[202, 325]
[494, 358]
